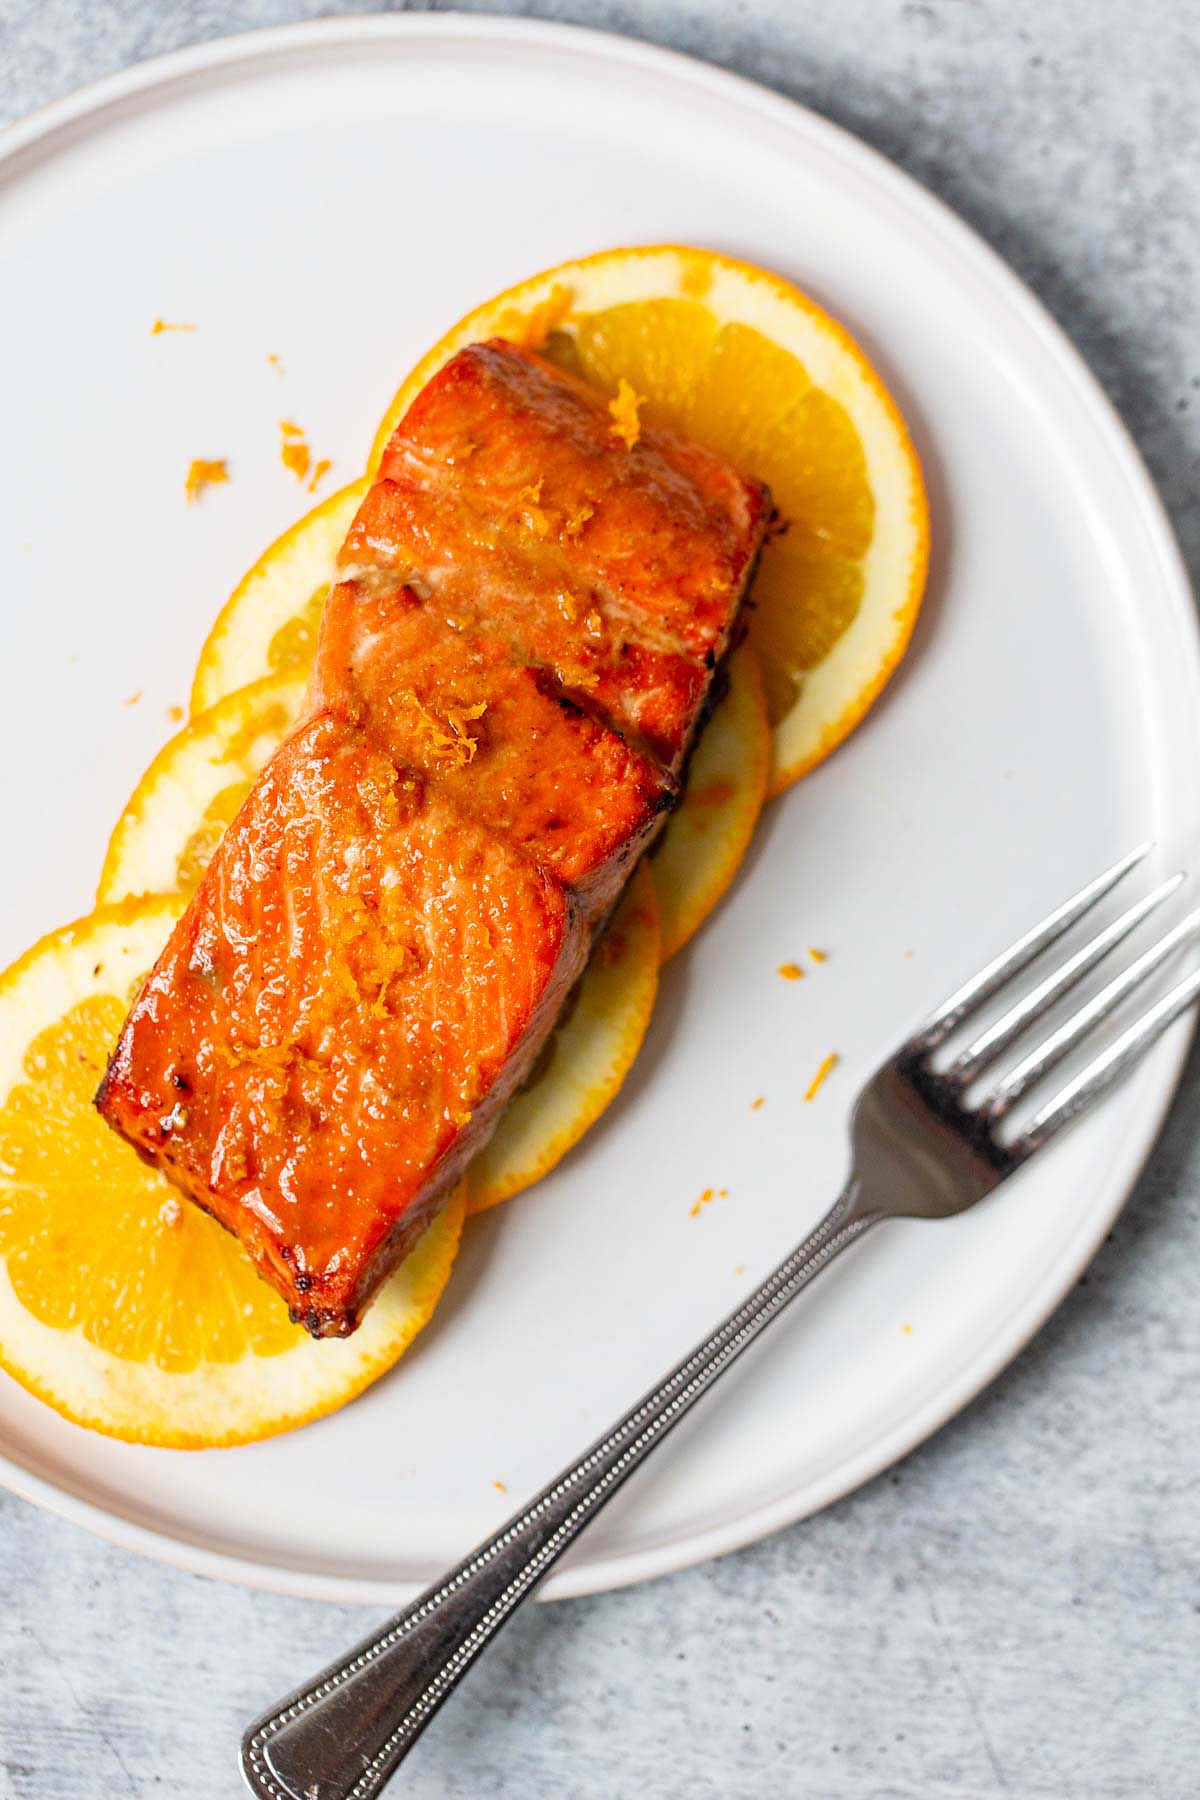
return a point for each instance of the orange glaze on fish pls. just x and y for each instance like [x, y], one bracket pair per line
[496, 736]
[613, 567]
[509, 676]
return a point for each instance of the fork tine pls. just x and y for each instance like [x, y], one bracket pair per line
[1060, 1043]
[1041, 998]
[981, 987]
[1107, 1068]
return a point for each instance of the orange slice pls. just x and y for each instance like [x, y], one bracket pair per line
[585, 1061]
[268, 626]
[176, 815]
[744, 362]
[122, 1305]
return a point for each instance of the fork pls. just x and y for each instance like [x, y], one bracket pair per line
[922, 1149]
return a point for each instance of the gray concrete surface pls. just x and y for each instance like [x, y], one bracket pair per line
[1015, 1610]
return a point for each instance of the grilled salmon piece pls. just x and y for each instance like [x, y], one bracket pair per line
[496, 737]
[361, 980]
[506, 490]
[509, 677]
[534, 609]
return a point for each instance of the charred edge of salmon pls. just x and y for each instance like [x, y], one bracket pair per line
[405, 1235]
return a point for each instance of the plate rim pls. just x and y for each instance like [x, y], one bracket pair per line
[137, 82]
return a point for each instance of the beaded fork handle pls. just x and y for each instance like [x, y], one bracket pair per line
[342, 1736]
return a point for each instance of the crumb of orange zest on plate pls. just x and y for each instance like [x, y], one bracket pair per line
[818, 956]
[624, 413]
[500, 1487]
[175, 714]
[294, 452]
[132, 699]
[701, 1203]
[791, 971]
[205, 474]
[739, 1268]
[161, 325]
[755, 1104]
[907, 1330]
[276, 361]
[822, 1075]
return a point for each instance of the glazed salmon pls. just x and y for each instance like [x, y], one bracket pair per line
[616, 569]
[510, 673]
[496, 736]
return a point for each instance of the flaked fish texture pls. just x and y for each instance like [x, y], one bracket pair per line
[511, 671]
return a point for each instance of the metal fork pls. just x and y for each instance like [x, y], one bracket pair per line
[921, 1150]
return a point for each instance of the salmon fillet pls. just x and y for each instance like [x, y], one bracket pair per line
[511, 670]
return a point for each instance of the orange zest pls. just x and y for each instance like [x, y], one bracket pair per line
[822, 1075]
[624, 410]
[294, 452]
[204, 474]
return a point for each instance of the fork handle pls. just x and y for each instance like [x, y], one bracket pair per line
[342, 1736]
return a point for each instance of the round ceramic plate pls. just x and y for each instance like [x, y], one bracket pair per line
[334, 195]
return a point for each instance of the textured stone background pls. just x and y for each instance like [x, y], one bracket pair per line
[1015, 1610]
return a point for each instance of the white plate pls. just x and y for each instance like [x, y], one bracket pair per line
[337, 194]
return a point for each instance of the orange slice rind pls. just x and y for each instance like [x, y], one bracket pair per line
[122, 1305]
